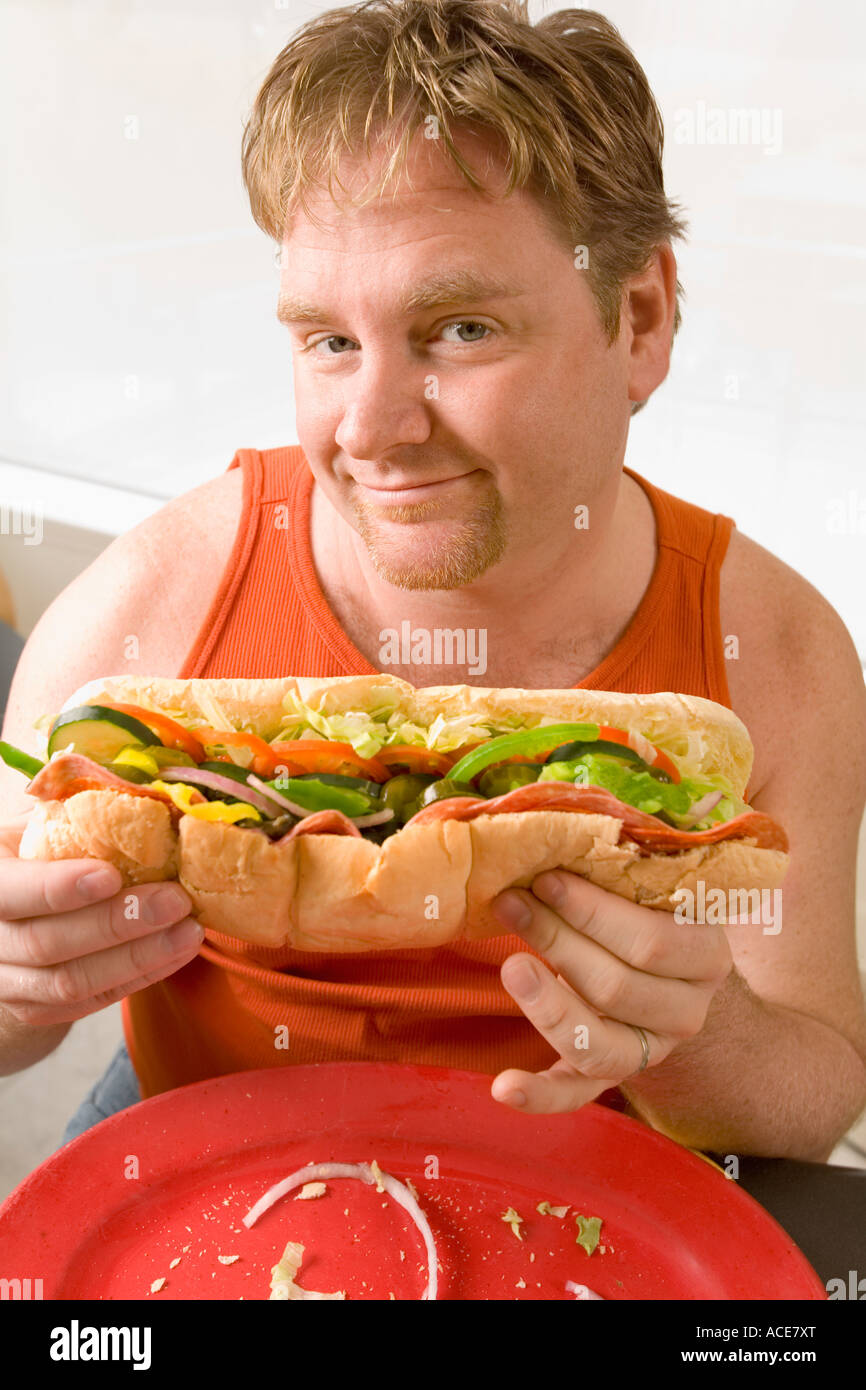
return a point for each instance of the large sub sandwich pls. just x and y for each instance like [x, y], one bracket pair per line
[359, 812]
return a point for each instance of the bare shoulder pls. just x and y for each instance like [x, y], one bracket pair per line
[137, 608]
[157, 581]
[796, 664]
[798, 686]
[208, 515]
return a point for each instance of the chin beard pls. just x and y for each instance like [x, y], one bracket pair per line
[469, 546]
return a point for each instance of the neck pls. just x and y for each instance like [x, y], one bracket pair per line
[571, 592]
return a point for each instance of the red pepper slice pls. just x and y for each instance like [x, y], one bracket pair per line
[416, 759]
[265, 760]
[324, 755]
[168, 731]
[661, 759]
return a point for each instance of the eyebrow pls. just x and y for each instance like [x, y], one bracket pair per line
[447, 287]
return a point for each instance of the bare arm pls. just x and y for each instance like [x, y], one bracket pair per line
[780, 1065]
[134, 589]
[756, 1039]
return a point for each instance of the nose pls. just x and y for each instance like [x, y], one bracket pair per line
[384, 406]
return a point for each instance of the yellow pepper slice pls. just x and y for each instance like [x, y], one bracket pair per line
[227, 811]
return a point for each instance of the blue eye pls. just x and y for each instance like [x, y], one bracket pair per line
[470, 331]
[471, 324]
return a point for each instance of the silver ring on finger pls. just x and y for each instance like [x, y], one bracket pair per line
[645, 1050]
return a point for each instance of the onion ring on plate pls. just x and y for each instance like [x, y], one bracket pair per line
[581, 1291]
[363, 1172]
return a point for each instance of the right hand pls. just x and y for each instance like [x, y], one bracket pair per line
[64, 955]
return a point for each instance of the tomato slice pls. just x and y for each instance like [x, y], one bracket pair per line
[264, 761]
[661, 759]
[325, 755]
[168, 731]
[458, 753]
[415, 758]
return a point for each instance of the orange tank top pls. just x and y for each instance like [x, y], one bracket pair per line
[239, 1006]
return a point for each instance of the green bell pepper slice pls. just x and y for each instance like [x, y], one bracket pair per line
[321, 796]
[526, 741]
[22, 762]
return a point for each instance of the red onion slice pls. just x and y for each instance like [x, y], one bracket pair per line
[227, 785]
[322, 1172]
[699, 809]
[282, 801]
[374, 817]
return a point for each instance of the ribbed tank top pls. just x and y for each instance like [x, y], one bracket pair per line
[238, 1006]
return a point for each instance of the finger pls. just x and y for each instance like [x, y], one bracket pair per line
[607, 983]
[36, 887]
[648, 938]
[61, 993]
[599, 1048]
[128, 915]
[553, 1092]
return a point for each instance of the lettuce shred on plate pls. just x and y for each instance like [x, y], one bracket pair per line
[283, 1284]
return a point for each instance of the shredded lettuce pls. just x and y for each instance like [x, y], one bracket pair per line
[213, 712]
[215, 717]
[368, 731]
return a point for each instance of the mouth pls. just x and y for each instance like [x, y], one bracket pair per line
[408, 491]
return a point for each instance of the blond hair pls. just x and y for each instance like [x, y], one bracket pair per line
[566, 96]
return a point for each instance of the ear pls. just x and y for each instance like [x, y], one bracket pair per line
[648, 310]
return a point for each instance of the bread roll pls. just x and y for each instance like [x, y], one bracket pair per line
[427, 884]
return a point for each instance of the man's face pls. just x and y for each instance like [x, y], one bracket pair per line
[456, 395]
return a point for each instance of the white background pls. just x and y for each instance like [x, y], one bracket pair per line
[141, 348]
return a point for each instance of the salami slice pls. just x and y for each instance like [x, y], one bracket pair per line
[69, 773]
[321, 823]
[649, 833]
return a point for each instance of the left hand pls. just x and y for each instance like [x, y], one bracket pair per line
[618, 964]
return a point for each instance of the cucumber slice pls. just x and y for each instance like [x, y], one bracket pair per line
[97, 732]
[134, 758]
[129, 773]
[237, 774]
[169, 757]
[567, 751]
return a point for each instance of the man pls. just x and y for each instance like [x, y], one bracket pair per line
[465, 375]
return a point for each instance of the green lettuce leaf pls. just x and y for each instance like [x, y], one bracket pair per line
[640, 789]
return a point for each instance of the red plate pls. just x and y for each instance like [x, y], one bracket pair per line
[171, 1177]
